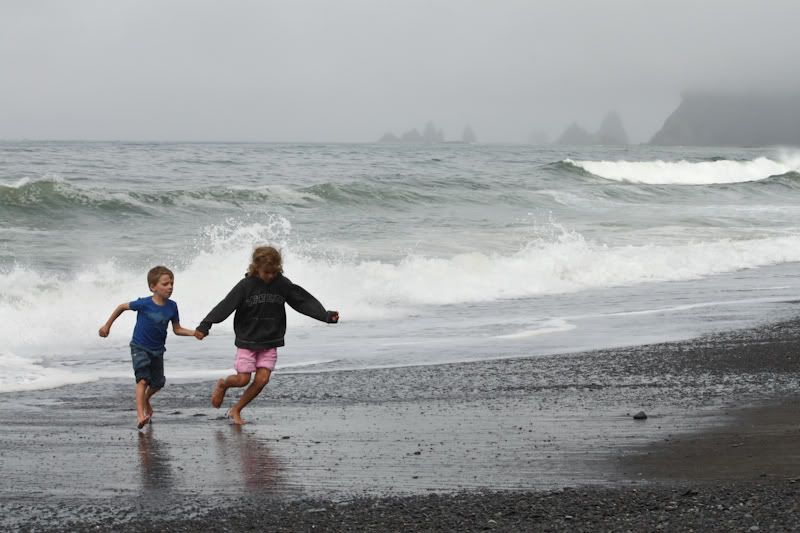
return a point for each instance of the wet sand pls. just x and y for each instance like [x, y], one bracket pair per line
[546, 443]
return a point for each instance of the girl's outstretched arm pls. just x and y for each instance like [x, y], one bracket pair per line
[223, 309]
[303, 302]
[105, 328]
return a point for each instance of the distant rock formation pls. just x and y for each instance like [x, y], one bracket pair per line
[611, 132]
[468, 136]
[733, 119]
[429, 135]
[411, 136]
[574, 134]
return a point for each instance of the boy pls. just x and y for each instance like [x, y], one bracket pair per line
[147, 345]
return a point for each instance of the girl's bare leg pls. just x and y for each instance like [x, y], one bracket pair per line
[258, 384]
[236, 380]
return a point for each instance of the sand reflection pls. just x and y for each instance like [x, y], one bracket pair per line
[155, 462]
[253, 458]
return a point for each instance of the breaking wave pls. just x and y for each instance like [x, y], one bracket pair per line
[691, 173]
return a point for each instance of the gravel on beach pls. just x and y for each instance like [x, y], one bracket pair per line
[741, 506]
[528, 444]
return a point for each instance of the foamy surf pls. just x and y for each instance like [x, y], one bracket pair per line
[690, 173]
[550, 326]
[362, 290]
[22, 374]
[429, 253]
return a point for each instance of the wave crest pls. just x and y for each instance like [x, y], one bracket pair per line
[368, 194]
[719, 171]
[58, 194]
[366, 289]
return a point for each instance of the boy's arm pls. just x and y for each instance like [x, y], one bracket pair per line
[302, 302]
[105, 328]
[222, 310]
[183, 332]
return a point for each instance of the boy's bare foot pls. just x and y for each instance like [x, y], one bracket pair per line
[219, 393]
[143, 422]
[236, 418]
[148, 409]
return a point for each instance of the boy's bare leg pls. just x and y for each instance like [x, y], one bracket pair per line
[236, 380]
[255, 388]
[148, 393]
[141, 410]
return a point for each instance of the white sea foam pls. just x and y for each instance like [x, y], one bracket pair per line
[21, 182]
[570, 264]
[550, 326]
[687, 307]
[17, 184]
[33, 304]
[42, 316]
[691, 173]
[20, 374]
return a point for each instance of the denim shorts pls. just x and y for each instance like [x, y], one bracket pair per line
[148, 365]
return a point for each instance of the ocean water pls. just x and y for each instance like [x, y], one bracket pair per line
[431, 254]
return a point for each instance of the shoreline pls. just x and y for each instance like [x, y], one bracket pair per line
[464, 441]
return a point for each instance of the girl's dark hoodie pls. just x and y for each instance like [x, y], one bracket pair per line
[260, 319]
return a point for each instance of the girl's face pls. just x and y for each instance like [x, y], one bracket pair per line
[267, 276]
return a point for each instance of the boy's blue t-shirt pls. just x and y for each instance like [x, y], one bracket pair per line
[152, 321]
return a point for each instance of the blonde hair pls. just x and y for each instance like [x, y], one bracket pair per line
[155, 273]
[266, 259]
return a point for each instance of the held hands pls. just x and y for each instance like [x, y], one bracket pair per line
[199, 335]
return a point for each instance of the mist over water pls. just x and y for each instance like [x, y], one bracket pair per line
[430, 253]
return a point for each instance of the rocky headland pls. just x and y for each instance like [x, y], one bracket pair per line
[733, 119]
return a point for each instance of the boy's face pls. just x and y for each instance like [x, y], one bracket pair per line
[163, 288]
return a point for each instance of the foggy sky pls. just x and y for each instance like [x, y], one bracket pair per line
[346, 70]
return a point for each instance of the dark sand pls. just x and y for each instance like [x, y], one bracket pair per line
[546, 443]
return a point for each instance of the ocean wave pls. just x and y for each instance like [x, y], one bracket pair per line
[227, 197]
[789, 180]
[60, 194]
[570, 264]
[717, 171]
[55, 193]
[361, 289]
[361, 193]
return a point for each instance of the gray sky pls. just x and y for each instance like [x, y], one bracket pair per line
[347, 70]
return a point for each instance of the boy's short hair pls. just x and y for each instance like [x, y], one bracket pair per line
[155, 274]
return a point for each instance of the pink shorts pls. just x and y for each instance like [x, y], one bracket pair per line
[249, 360]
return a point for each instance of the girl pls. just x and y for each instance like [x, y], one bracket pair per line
[259, 324]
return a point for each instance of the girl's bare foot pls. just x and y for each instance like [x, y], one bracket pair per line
[148, 409]
[236, 418]
[219, 393]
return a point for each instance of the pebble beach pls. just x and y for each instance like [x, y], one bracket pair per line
[527, 444]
